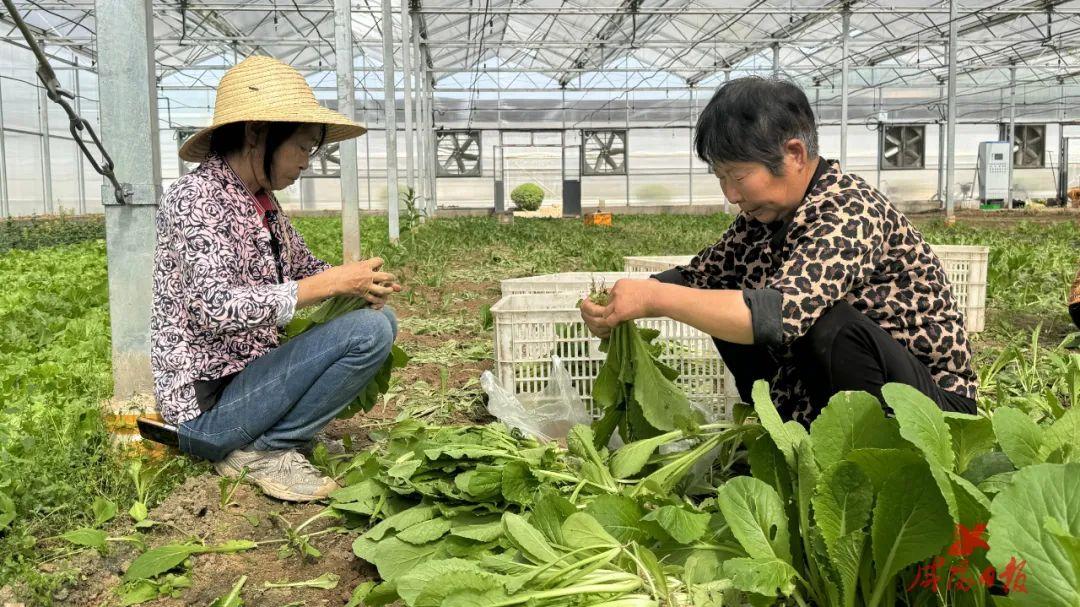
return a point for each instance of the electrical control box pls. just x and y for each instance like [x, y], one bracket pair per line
[994, 165]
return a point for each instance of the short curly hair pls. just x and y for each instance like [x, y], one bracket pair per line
[750, 119]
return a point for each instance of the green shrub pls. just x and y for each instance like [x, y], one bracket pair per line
[527, 196]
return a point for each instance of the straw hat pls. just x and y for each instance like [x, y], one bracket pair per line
[265, 89]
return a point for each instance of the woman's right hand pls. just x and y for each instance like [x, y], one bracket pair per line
[355, 278]
[365, 279]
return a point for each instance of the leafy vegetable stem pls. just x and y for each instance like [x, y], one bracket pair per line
[577, 491]
[603, 556]
[568, 478]
[644, 571]
[307, 536]
[320, 514]
[551, 564]
[594, 588]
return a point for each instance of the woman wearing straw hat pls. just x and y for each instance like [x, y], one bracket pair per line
[230, 270]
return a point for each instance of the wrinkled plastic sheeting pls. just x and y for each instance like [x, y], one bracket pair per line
[547, 415]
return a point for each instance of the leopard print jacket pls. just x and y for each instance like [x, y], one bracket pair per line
[846, 242]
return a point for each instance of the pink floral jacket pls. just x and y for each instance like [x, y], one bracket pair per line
[217, 300]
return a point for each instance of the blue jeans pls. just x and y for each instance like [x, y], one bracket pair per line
[284, 397]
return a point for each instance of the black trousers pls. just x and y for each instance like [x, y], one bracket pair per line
[1074, 311]
[844, 350]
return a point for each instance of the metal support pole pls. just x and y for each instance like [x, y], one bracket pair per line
[844, 92]
[406, 77]
[626, 149]
[5, 205]
[690, 147]
[776, 60]
[727, 203]
[347, 155]
[878, 107]
[46, 151]
[367, 139]
[1012, 135]
[129, 130]
[391, 121]
[941, 153]
[418, 117]
[950, 144]
[430, 143]
[562, 151]
[80, 175]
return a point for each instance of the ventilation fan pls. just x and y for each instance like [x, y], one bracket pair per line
[902, 147]
[458, 153]
[603, 152]
[1030, 145]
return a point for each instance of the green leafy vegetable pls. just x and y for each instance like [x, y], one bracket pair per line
[635, 392]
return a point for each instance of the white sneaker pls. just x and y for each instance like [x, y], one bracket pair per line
[284, 474]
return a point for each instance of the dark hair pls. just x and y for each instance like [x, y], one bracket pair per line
[750, 119]
[229, 138]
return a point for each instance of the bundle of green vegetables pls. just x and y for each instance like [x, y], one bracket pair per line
[635, 391]
[331, 309]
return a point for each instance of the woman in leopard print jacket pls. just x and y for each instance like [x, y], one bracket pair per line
[820, 284]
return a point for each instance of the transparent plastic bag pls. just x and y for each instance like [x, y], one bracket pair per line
[546, 415]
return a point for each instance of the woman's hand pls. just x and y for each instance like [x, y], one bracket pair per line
[629, 300]
[364, 279]
[356, 278]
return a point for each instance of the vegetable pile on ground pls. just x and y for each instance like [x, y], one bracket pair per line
[843, 514]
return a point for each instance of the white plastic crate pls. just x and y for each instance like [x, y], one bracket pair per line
[570, 283]
[965, 265]
[654, 264]
[530, 328]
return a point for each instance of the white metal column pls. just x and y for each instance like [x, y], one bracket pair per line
[5, 208]
[129, 130]
[391, 121]
[941, 149]
[367, 122]
[418, 117]
[406, 77]
[626, 148]
[46, 151]
[347, 155]
[950, 144]
[80, 177]
[1012, 135]
[844, 63]
[692, 124]
[428, 98]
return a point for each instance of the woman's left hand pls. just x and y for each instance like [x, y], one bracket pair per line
[631, 299]
[377, 301]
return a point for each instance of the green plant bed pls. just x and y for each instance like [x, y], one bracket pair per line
[28, 233]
